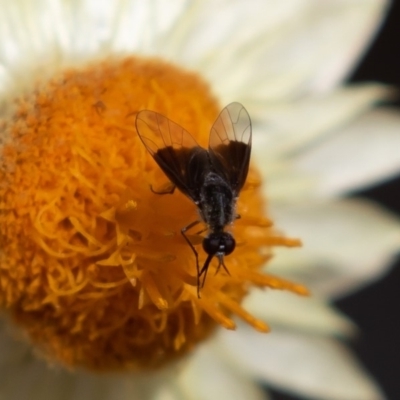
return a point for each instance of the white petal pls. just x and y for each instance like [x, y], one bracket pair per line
[11, 351]
[361, 154]
[120, 386]
[144, 27]
[308, 314]
[315, 367]
[345, 244]
[259, 51]
[44, 383]
[38, 38]
[206, 377]
[350, 37]
[203, 376]
[307, 48]
[297, 131]
[293, 126]
[23, 376]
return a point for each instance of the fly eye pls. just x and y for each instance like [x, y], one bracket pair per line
[211, 244]
[230, 244]
[219, 243]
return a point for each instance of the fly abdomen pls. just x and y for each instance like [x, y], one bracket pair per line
[217, 202]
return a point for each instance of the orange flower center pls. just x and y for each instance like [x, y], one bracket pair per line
[93, 264]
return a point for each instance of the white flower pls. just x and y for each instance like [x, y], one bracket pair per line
[314, 142]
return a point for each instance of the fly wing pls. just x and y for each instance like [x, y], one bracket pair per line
[230, 145]
[175, 151]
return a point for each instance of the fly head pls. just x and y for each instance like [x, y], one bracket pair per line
[219, 243]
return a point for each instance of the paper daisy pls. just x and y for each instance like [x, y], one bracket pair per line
[95, 274]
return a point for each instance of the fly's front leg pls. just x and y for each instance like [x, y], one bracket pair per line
[183, 230]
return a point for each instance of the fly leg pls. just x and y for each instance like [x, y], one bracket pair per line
[183, 230]
[168, 191]
[204, 271]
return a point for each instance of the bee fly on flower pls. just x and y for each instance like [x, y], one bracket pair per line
[211, 178]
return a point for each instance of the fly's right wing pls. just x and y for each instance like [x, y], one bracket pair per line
[230, 145]
[175, 151]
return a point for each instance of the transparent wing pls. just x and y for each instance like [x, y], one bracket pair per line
[230, 145]
[175, 151]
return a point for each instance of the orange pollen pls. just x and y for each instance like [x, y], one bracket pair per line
[93, 265]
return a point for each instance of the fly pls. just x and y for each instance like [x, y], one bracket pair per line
[212, 178]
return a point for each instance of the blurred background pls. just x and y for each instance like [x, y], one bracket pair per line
[376, 309]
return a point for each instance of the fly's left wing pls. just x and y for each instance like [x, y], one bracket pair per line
[175, 151]
[230, 145]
